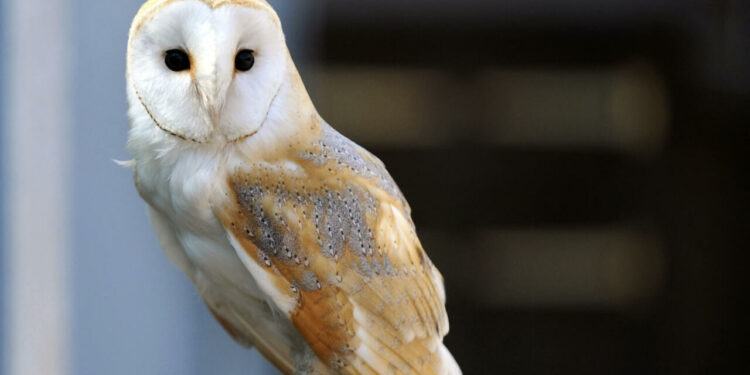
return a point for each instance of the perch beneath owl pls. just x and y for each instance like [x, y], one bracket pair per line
[297, 239]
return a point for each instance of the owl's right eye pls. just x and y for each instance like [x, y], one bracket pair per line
[177, 60]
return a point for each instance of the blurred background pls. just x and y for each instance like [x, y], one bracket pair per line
[574, 168]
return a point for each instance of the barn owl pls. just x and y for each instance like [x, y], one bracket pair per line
[296, 238]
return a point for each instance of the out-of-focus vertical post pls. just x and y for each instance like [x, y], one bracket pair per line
[36, 129]
[3, 270]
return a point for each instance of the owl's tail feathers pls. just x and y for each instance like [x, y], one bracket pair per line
[276, 351]
[449, 364]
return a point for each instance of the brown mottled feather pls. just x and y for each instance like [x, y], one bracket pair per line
[329, 225]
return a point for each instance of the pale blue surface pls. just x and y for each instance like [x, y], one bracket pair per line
[3, 271]
[133, 311]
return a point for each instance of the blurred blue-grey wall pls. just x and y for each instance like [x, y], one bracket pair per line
[2, 188]
[121, 324]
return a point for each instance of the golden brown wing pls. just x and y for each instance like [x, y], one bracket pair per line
[332, 235]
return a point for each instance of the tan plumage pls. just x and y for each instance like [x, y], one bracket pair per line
[334, 234]
[299, 241]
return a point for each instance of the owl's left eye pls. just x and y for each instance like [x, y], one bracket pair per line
[177, 60]
[244, 60]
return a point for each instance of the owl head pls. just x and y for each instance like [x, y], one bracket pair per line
[207, 71]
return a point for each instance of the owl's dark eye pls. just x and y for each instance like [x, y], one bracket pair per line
[244, 60]
[177, 60]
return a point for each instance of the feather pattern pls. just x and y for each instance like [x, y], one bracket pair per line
[328, 224]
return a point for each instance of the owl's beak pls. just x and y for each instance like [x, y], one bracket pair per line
[212, 98]
[214, 111]
[211, 84]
